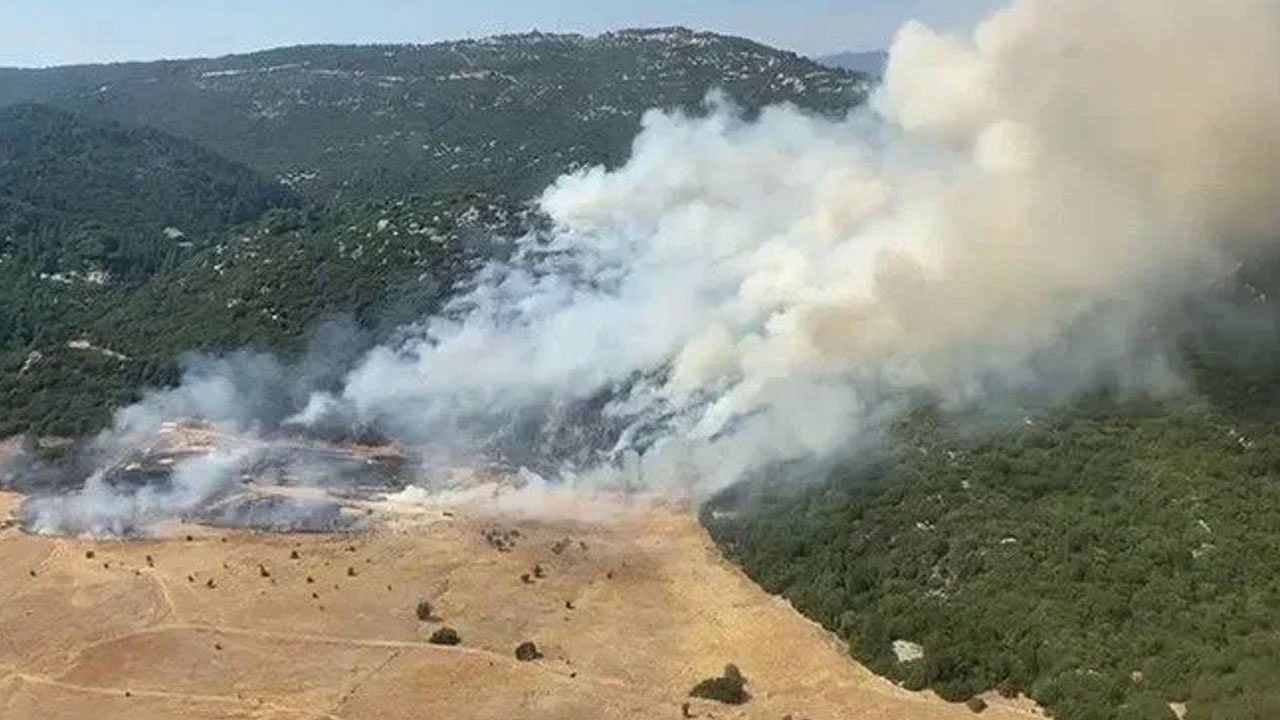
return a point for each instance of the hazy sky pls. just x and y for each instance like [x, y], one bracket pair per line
[50, 32]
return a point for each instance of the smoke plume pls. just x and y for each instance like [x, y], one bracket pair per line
[1003, 219]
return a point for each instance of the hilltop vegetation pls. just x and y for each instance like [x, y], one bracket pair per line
[505, 114]
[872, 62]
[79, 195]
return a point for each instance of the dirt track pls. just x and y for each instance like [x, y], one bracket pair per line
[654, 610]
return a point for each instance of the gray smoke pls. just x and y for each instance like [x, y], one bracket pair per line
[1008, 218]
[1004, 220]
[102, 509]
[135, 474]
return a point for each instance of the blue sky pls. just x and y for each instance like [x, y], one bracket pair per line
[49, 32]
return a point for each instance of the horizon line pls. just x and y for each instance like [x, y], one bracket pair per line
[534, 32]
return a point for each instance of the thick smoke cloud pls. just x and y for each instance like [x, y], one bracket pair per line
[1022, 200]
[1004, 219]
[110, 487]
[101, 509]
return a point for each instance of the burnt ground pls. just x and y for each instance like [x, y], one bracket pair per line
[254, 494]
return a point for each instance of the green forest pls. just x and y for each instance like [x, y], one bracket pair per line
[1106, 559]
[506, 114]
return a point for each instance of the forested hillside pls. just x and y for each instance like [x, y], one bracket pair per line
[265, 286]
[83, 196]
[372, 180]
[505, 114]
[90, 212]
[1108, 559]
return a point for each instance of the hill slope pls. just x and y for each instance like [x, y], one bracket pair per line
[91, 211]
[82, 195]
[627, 615]
[79, 346]
[1108, 559]
[507, 113]
[410, 157]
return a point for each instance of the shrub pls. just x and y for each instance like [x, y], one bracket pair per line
[729, 688]
[527, 651]
[445, 636]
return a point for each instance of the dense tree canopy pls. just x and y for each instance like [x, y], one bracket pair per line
[1106, 560]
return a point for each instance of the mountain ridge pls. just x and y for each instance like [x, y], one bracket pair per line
[367, 121]
[872, 62]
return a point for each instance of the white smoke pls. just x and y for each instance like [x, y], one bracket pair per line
[100, 509]
[1019, 202]
[1004, 218]
[235, 399]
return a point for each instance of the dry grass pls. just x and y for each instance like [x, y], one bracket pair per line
[654, 608]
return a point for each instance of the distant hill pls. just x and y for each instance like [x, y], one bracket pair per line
[505, 113]
[871, 63]
[84, 195]
[91, 211]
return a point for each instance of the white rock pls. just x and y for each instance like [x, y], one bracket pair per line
[907, 651]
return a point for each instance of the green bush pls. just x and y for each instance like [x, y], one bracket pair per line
[445, 636]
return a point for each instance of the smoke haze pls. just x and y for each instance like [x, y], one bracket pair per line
[1004, 219]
